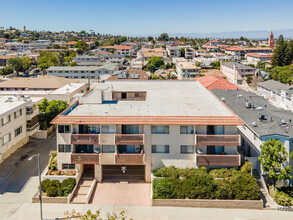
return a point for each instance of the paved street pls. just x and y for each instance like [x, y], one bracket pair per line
[16, 170]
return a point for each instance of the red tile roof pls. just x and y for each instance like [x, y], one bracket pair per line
[234, 49]
[270, 55]
[148, 120]
[214, 82]
[121, 47]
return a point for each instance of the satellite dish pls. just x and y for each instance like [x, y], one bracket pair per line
[199, 151]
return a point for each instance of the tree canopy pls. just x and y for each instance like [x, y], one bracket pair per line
[282, 55]
[48, 59]
[82, 46]
[154, 63]
[273, 158]
[19, 64]
[163, 37]
[49, 110]
[282, 74]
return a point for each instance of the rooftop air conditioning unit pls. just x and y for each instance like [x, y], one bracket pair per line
[248, 104]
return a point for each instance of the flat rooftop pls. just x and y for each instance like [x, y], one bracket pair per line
[163, 98]
[11, 104]
[235, 100]
[69, 88]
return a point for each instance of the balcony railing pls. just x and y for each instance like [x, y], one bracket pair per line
[84, 138]
[129, 99]
[129, 139]
[217, 140]
[217, 160]
[84, 158]
[130, 159]
[29, 129]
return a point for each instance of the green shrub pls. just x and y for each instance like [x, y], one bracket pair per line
[166, 172]
[224, 189]
[53, 161]
[67, 186]
[282, 198]
[163, 189]
[51, 191]
[55, 183]
[222, 173]
[246, 167]
[199, 186]
[45, 184]
[245, 187]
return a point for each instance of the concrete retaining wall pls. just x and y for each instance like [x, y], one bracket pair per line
[46, 199]
[44, 134]
[204, 203]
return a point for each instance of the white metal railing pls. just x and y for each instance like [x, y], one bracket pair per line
[33, 127]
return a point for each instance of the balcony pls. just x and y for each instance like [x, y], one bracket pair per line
[130, 159]
[84, 158]
[129, 139]
[84, 138]
[217, 140]
[32, 128]
[218, 160]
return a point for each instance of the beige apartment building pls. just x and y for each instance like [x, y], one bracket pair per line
[18, 121]
[124, 130]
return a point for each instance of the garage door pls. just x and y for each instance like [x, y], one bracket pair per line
[123, 173]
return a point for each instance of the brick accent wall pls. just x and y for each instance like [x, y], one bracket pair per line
[203, 203]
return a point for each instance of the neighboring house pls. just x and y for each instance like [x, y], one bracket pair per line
[82, 72]
[105, 56]
[223, 57]
[4, 52]
[40, 83]
[187, 70]
[266, 50]
[216, 82]
[280, 93]
[236, 72]
[254, 58]
[129, 74]
[176, 60]
[18, 120]
[263, 122]
[4, 59]
[213, 43]
[173, 51]
[189, 53]
[237, 52]
[85, 58]
[49, 50]
[123, 50]
[3, 40]
[204, 62]
[200, 52]
[124, 130]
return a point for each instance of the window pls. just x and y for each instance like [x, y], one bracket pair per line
[68, 166]
[64, 148]
[186, 149]
[186, 130]
[63, 128]
[108, 148]
[18, 131]
[6, 138]
[108, 129]
[6, 120]
[219, 149]
[160, 129]
[18, 113]
[160, 149]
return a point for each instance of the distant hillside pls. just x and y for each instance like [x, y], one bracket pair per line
[288, 33]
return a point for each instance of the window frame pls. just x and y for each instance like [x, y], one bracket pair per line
[186, 151]
[155, 150]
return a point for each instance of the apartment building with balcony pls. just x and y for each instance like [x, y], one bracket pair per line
[262, 122]
[187, 70]
[123, 130]
[18, 121]
[173, 51]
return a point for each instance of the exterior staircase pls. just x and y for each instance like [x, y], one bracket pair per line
[83, 187]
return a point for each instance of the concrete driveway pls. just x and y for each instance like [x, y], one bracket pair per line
[129, 194]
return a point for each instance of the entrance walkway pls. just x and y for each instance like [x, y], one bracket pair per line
[130, 194]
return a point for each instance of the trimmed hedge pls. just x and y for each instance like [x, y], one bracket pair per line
[200, 183]
[54, 188]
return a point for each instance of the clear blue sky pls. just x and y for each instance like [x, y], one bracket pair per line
[143, 17]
